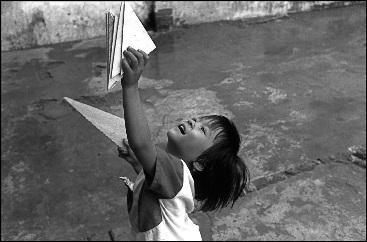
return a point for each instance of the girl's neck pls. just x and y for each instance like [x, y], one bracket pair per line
[172, 151]
[169, 149]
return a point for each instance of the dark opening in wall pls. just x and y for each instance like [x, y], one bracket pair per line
[150, 22]
[160, 20]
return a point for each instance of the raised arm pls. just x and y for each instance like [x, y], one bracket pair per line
[137, 128]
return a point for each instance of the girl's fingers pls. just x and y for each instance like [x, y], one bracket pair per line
[122, 149]
[125, 150]
[127, 146]
[133, 59]
[122, 153]
[125, 66]
[138, 56]
[145, 57]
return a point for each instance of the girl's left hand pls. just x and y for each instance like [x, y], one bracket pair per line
[127, 154]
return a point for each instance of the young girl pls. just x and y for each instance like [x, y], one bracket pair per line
[200, 161]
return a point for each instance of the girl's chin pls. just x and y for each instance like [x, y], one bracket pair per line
[174, 135]
[171, 134]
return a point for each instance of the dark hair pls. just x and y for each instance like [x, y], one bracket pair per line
[224, 175]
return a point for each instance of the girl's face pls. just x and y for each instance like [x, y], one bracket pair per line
[190, 138]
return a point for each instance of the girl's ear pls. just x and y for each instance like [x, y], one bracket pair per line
[197, 166]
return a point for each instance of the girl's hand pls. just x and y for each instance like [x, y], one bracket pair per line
[126, 153]
[133, 65]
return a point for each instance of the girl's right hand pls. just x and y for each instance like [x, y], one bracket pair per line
[133, 65]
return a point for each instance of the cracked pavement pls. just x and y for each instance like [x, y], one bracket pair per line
[295, 87]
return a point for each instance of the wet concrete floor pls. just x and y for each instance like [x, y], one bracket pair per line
[295, 87]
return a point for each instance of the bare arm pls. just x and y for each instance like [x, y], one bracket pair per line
[137, 128]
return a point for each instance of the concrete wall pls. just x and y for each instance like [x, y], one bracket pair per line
[26, 24]
[176, 13]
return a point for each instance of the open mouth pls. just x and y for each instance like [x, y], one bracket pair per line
[181, 127]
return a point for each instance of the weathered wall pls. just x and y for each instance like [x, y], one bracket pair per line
[176, 13]
[27, 24]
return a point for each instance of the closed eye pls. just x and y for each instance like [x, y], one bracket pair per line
[203, 129]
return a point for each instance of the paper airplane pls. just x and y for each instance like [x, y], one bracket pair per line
[110, 125]
[123, 31]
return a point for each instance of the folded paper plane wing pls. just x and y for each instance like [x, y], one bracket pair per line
[134, 33]
[110, 125]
